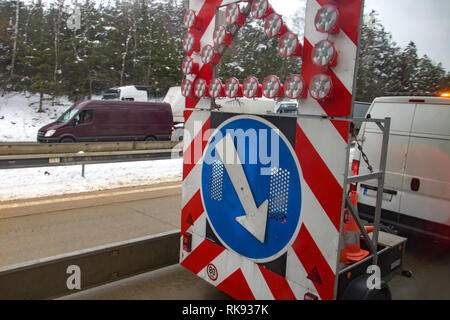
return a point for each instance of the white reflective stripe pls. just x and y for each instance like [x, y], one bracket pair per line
[199, 227]
[319, 226]
[346, 58]
[196, 5]
[191, 184]
[300, 291]
[196, 240]
[297, 274]
[345, 47]
[226, 264]
[224, 2]
[326, 140]
[193, 126]
[352, 237]
[255, 280]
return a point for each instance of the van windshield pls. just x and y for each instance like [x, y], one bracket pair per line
[111, 94]
[67, 115]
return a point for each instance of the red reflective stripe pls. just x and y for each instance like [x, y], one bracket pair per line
[194, 208]
[187, 114]
[206, 252]
[343, 127]
[278, 285]
[195, 150]
[236, 286]
[349, 15]
[319, 178]
[310, 257]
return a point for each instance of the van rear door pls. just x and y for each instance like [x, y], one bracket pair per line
[426, 184]
[401, 119]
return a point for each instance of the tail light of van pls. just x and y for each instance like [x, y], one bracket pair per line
[289, 45]
[355, 167]
[321, 87]
[232, 88]
[189, 66]
[355, 170]
[274, 26]
[272, 87]
[324, 54]
[234, 15]
[327, 19]
[294, 87]
[261, 9]
[209, 55]
[252, 88]
[221, 36]
[191, 43]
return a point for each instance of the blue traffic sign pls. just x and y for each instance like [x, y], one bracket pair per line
[251, 187]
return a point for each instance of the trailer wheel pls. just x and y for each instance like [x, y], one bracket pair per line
[357, 290]
[150, 138]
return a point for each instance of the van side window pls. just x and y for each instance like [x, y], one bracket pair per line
[85, 116]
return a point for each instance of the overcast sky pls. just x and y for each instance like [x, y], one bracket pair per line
[426, 22]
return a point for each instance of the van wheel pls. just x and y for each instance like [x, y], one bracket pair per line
[67, 140]
[150, 139]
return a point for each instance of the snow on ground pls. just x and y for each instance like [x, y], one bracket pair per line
[19, 119]
[47, 181]
[20, 122]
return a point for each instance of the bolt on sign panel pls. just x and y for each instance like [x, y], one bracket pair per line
[263, 194]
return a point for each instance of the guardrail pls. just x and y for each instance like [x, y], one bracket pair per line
[21, 148]
[49, 277]
[43, 155]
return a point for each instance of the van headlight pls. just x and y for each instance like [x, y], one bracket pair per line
[49, 133]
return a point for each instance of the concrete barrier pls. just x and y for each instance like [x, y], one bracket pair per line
[50, 277]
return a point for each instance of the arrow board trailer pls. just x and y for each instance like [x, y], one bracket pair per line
[264, 194]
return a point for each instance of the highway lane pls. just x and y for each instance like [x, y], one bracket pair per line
[41, 235]
[35, 236]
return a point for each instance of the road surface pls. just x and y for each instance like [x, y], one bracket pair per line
[41, 235]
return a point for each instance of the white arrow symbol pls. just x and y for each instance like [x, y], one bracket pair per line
[255, 218]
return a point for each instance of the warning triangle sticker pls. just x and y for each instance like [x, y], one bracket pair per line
[189, 220]
[314, 276]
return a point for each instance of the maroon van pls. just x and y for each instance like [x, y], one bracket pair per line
[97, 120]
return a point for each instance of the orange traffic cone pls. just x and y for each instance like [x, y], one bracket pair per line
[352, 236]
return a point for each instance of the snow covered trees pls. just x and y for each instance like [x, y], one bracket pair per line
[385, 69]
[120, 42]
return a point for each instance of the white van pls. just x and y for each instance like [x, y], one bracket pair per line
[417, 183]
[177, 103]
[239, 105]
[127, 93]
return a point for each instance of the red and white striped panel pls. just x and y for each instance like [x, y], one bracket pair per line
[320, 146]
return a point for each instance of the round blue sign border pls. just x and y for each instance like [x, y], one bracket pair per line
[277, 241]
